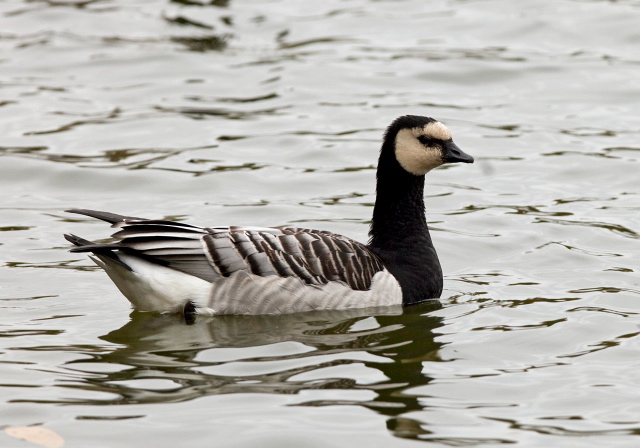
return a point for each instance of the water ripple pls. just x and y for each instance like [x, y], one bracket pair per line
[272, 112]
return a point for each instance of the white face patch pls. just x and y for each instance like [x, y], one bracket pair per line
[415, 157]
[437, 130]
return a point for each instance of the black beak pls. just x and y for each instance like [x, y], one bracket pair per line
[452, 154]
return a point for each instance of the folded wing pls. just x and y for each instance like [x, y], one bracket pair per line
[315, 257]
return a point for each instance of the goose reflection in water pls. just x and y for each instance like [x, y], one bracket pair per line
[273, 354]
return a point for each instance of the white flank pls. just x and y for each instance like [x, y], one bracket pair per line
[245, 293]
[151, 287]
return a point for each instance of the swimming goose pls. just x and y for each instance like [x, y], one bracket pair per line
[167, 266]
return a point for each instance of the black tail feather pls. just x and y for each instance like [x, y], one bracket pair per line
[83, 245]
[102, 251]
[76, 240]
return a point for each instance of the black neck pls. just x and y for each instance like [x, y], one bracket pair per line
[399, 232]
[399, 208]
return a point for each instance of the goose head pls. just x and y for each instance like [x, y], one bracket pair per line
[421, 144]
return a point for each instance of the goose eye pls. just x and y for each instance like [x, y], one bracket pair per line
[427, 141]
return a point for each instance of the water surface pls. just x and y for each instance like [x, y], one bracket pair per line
[271, 113]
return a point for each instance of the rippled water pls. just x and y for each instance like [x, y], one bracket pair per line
[270, 113]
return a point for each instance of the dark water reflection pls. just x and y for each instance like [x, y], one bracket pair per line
[152, 347]
[392, 342]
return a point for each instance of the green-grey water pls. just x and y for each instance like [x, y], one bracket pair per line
[271, 112]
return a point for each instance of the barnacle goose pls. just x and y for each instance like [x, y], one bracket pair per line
[167, 266]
